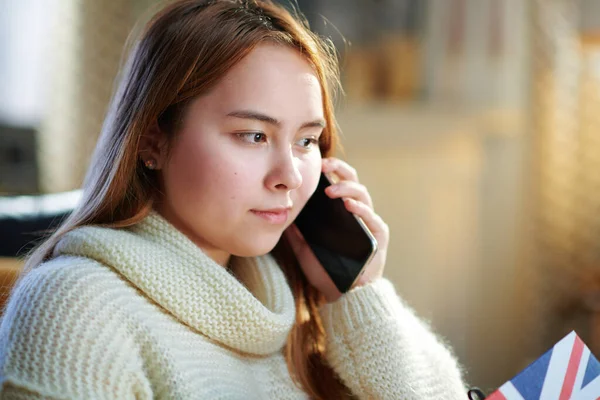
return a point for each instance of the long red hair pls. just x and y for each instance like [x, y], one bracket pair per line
[183, 51]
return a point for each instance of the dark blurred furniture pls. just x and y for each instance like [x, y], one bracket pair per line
[24, 219]
[19, 166]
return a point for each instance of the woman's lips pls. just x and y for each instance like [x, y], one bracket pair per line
[273, 216]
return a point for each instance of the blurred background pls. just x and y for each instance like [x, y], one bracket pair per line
[474, 123]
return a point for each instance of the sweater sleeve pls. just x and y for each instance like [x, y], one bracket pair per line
[12, 392]
[63, 336]
[381, 350]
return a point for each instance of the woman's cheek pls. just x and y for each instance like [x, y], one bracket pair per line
[188, 175]
[311, 172]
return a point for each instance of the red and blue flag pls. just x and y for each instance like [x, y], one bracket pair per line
[568, 371]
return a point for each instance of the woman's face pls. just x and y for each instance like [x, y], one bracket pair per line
[247, 158]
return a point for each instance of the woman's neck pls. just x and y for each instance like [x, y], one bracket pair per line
[219, 256]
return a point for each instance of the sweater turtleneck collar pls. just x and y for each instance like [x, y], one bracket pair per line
[252, 317]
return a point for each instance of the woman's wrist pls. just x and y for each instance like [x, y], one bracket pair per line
[360, 306]
[361, 282]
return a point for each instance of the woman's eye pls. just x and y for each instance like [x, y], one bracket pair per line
[253, 137]
[308, 143]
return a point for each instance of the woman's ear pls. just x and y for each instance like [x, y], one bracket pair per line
[153, 146]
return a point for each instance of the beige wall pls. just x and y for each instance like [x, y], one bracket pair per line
[448, 184]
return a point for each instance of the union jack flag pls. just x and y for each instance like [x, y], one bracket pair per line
[568, 371]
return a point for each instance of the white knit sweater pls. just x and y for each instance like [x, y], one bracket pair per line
[142, 313]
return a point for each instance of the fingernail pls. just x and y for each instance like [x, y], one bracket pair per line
[333, 189]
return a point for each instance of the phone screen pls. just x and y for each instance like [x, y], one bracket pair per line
[339, 241]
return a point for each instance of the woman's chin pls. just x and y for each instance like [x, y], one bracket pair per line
[255, 248]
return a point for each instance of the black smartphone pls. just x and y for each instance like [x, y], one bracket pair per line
[340, 240]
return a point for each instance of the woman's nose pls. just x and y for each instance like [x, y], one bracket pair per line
[286, 174]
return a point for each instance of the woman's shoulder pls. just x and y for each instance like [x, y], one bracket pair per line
[66, 279]
[65, 293]
[62, 317]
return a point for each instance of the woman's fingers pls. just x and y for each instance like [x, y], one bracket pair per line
[350, 189]
[373, 221]
[341, 168]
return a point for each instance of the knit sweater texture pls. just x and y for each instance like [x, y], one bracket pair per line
[143, 313]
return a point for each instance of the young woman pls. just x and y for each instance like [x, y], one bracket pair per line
[181, 275]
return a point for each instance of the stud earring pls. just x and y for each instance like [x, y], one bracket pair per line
[150, 164]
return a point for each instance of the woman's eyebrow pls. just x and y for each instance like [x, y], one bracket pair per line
[257, 116]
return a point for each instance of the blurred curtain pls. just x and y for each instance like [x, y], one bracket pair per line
[565, 149]
[86, 51]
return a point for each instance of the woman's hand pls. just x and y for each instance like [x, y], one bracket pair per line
[358, 201]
